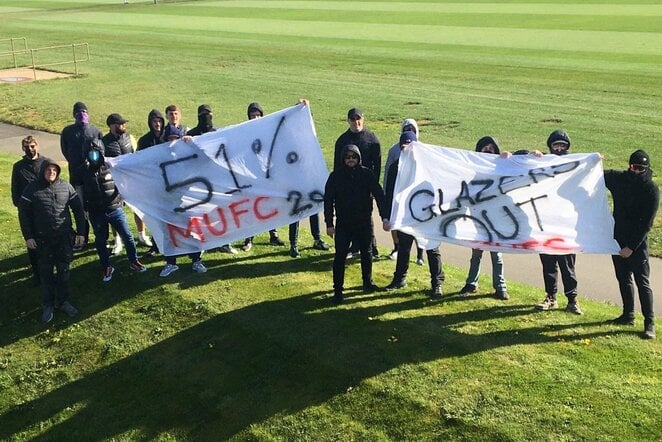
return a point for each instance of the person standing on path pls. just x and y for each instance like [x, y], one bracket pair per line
[636, 201]
[24, 172]
[558, 143]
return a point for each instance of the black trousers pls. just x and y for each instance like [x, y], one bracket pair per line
[636, 265]
[314, 221]
[402, 264]
[55, 252]
[359, 236]
[551, 265]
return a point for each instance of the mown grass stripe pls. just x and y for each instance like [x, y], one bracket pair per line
[404, 8]
[579, 41]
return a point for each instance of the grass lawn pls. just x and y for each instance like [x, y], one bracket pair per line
[253, 349]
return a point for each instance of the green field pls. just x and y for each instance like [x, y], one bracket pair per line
[242, 352]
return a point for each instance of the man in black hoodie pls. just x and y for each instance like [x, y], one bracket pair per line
[349, 191]
[205, 124]
[154, 136]
[487, 145]
[25, 171]
[636, 200]
[253, 112]
[371, 153]
[44, 215]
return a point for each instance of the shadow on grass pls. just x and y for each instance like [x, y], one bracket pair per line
[242, 367]
[21, 312]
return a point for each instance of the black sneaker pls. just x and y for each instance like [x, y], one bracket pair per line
[502, 295]
[294, 252]
[69, 309]
[435, 293]
[394, 285]
[623, 320]
[649, 331]
[319, 244]
[468, 288]
[573, 307]
[370, 288]
[276, 241]
[338, 298]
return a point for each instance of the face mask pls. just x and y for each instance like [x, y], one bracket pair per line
[205, 120]
[82, 118]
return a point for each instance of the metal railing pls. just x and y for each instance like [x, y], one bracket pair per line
[80, 52]
[13, 51]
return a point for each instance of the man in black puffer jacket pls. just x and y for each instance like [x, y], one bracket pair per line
[350, 190]
[117, 141]
[46, 227]
[104, 205]
[636, 200]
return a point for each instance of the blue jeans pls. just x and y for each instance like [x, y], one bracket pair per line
[498, 280]
[116, 218]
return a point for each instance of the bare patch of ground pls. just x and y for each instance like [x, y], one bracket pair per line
[22, 75]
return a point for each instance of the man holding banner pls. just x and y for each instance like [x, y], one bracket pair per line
[558, 143]
[636, 200]
[405, 240]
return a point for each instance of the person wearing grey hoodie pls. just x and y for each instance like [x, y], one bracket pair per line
[487, 145]
[408, 124]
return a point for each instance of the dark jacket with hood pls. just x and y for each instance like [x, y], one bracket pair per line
[350, 192]
[150, 138]
[368, 144]
[204, 125]
[73, 140]
[24, 172]
[636, 200]
[116, 145]
[99, 190]
[485, 141]
[44, 209]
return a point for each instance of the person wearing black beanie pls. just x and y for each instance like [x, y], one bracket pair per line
[74, 140]
[558, 143]
[636, 200]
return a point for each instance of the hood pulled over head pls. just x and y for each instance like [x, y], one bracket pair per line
[351, 148]
[485, 141]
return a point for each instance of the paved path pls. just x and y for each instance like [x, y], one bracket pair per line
[594, 272]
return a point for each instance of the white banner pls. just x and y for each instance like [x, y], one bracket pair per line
[226, 185]
[552, 204]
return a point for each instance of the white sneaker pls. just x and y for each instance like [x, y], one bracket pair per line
[144, 239]
[420, 261]
[168, 269]
[199, 267]
[393, 256]
[118, 247]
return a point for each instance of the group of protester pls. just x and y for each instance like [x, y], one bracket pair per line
[45, 204]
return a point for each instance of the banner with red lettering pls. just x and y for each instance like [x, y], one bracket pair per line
[226, 185]
[551, 204]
